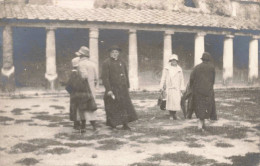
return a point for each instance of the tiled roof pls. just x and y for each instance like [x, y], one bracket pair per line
[158, 17]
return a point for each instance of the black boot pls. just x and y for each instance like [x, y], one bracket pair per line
[76, 125]
[83, 124]
[174, 116]
[126, 127]
[93, 123]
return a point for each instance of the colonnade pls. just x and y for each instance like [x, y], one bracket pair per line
[199, 47]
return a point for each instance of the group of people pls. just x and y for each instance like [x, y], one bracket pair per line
[199, 91]
[118, 105]
[82, 89]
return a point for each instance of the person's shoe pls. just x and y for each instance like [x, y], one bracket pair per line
[175, 117]
[83, 125]
[126, 127]
[76, 125]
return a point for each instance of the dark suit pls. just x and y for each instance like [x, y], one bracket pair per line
[115, 78]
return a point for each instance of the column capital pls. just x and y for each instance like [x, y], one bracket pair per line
[93, 33]
[254, 37]
[229, 36]
[201, 34]
[168, 32]
[132, 30]
[50, 28]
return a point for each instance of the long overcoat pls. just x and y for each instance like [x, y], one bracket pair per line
[89, 69]
[172, 80]
[203, 99]
[119, 110]
[81, 97]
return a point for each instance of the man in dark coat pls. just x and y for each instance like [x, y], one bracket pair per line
[202, 80]
[118, 105]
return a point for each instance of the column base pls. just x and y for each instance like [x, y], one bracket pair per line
[8, 83]
[51, 85]
[227, 81]
[253, 81]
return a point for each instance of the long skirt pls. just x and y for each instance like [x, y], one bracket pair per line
[85, 115]
[204, 106]
[119, 110]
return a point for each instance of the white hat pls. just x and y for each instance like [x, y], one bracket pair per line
[174, 57]
[75, 62]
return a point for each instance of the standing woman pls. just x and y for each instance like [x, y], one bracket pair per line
[172, 82]
[118, 105]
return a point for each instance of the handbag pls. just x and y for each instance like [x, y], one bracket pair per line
[162, 100]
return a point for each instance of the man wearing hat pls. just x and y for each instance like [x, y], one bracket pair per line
[118, 105]
[202, 81]
[172, 82]
[88, 71]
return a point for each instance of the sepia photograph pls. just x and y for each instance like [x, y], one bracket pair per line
[129, 83]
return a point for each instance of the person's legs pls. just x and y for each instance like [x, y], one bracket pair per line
[201, 124]
[126, 127]
[173, 115]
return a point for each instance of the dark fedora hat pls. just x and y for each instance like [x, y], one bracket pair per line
[115, 47]
[206, 56]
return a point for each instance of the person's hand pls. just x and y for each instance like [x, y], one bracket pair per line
[110, 93]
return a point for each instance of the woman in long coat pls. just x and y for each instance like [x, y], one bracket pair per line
[203, 100]
[118, 105]
[173, 83]
[82, 103]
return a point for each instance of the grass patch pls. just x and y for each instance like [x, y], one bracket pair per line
[39, 113]
[41, 142]
[182, 157]
[23, 148]
[50, 118]
[111, 144]
[195, 145]
[58, 151]
[57, 107]
[77, 136]
[252, 159]
[23, 121]
[85, 164]
[2, 149]
[27, 161]
[1, 111]
[18, 111]
[35, 106]
[78, 145]
[223, 145]
[144, 164]
[5, 119]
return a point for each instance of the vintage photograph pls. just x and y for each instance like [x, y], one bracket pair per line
[129, 83]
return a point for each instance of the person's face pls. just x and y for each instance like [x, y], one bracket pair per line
[114, 54]
[174, 62]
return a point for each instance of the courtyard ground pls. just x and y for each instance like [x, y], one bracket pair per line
[35, 130]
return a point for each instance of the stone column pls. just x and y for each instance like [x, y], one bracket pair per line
[253, 60]
[228, 59]
[93, 47]
[8, 80]
[167, 47]
[133, 61]
[199, 47]
[51, 73]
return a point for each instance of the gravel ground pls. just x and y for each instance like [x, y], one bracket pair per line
[35, 130]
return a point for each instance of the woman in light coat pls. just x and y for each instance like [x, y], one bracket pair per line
[172, 82]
